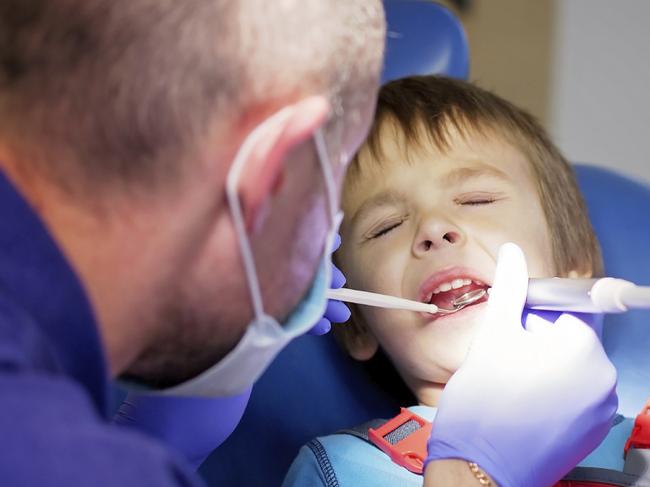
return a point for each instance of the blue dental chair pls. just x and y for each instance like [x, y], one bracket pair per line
[313, 388]
[619, 209]
[423, 38]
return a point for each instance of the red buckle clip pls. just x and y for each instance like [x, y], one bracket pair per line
[409, 452]
[640, 437]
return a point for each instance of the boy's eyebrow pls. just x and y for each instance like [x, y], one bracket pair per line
[383, 198]
[459, 175]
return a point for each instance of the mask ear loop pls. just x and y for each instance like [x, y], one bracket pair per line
[238, 215]
[328, 175]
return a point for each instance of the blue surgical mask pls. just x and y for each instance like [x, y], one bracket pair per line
[265, 337]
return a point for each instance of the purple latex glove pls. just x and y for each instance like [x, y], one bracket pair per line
[527, 404]
[336, 311]
[192, 426]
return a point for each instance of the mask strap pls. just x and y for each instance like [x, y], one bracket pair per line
[238, 215]
[328, 176]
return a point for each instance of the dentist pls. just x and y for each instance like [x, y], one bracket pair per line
[169, 177]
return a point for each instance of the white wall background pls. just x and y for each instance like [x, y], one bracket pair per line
[600, 85]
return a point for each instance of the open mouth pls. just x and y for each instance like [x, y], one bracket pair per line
[447, 294]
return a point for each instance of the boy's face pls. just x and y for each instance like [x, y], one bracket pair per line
[417, 228]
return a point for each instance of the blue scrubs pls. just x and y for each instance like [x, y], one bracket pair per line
[54, 424]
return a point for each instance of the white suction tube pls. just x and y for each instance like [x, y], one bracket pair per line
[605, 295]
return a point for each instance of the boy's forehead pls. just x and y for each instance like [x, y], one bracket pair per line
[395, 155]
[390, 150]
[398, 143]
[394, 151]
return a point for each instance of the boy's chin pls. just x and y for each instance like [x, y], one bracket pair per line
[453, 354]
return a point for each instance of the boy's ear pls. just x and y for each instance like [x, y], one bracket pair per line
[264, 168]
[357, 338]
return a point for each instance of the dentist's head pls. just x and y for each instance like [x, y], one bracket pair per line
[120, 121]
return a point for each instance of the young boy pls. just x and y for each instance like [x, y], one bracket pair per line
[448, 174]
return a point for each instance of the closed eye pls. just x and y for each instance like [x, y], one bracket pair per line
[477, 202]
[384, 230]
[477, 199]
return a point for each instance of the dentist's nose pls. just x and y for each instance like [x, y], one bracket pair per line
[436, 233]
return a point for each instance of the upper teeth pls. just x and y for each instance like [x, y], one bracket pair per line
[455, 284]
[448, 286]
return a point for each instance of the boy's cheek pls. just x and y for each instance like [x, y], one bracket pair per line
[378, 273]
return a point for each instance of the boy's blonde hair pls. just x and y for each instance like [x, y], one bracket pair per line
[438, 104]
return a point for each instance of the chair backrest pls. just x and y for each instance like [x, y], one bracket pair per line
[619, 208]
[313, 388]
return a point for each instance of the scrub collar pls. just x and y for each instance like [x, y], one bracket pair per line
[35, 276]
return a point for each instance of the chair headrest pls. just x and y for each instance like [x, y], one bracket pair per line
[423, 38]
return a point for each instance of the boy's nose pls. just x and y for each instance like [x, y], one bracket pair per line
[434, 235]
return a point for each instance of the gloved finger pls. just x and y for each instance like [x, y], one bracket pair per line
[592, 320]
[510, 285]
[611, 405]
[338, 279]
[508, 294]
[322, 327]
[575, 328]
[539, 321]
[584, 339]
[337, 312]
[336, 243]
[537, 324]
[586, 347]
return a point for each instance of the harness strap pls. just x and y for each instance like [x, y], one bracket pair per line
[637, 462]
[404, 439]
[361, 431]
[591, 476]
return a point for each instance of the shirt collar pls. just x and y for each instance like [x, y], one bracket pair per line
[38, 279]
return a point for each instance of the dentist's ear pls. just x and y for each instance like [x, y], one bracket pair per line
[264, 168]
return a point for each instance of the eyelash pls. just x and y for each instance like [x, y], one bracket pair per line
[385, 230]
[477, 201]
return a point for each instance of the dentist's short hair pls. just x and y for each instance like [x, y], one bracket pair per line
[438, 103]
[94, 92]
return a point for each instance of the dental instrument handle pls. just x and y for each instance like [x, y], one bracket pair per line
[379, 300]
[604, 295]
[635, 297]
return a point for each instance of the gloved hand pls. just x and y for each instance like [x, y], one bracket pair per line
[527, 404]
[192, 426]
[336, 311]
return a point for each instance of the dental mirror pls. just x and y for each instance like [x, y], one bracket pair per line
[470, 297]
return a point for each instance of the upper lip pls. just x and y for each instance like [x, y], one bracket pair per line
[446, 275]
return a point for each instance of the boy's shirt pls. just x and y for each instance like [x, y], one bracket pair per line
[342, 460]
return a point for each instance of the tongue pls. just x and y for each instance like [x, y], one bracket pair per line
[446, 299]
